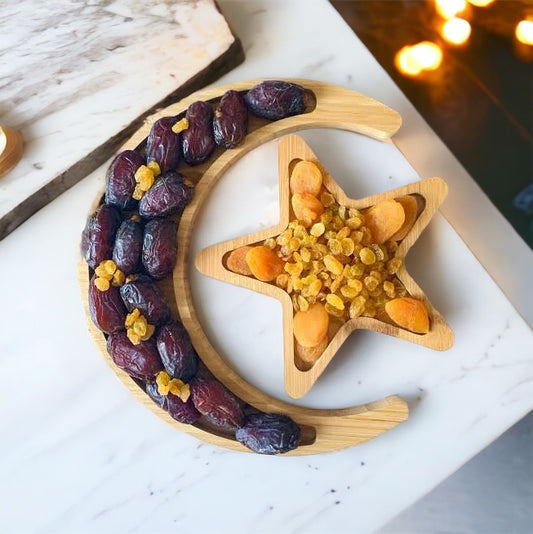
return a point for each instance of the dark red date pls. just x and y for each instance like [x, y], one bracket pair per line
[143, 294]
[168, 196]
[197, 142]
[269, 433]
[106, 308]
[176, 351]
[120, 180]
[98, 236]
[139, 361]
[274, 100]
[128, 247]
[184, 412]
[163, 145]
[216, 403]
[160, 247]
[230, 124]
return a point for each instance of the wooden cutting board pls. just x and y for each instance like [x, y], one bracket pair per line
[79, 80]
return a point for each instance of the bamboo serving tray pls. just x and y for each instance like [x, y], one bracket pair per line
[322, 430]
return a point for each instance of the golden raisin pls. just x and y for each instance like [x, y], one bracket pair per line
[317, 229]
[334, 300]
[367, 256]
[181, 125]
[333, 264]
[102, 284]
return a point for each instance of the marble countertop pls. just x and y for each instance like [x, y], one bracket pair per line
[79, 454]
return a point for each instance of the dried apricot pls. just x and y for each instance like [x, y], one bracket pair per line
[236, 261]
[409, 313]
[384, 219]
[306, 177]
[311, 326]
[264, 263]
[307, 208]
[410, 207]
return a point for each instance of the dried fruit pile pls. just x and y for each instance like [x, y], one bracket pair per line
[130, 244]
[336, 262]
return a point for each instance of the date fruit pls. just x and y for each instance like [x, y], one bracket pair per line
[216, 403]
[176, 351]
[230, 124]
[184, 412]
[98, 236]
[143, 294]
[128, 247]
[106, 308]
[273, 99]
[168, 196]
[153, 393]
[120, 179]
[197, 142]
[139, 361]
[160, 247]
[163, 145]
[267, 433]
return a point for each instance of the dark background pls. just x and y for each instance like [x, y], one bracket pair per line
[479, 101]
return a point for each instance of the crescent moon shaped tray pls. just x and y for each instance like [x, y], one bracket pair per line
[322, 430]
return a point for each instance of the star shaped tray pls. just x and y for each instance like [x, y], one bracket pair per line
[323, 430]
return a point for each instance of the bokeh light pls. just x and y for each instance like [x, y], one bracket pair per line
[449, 8]
[524, 32]
[412, 60]
[456, 31]
[480, 3]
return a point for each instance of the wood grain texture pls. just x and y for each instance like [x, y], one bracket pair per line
[323, 430]
[12, 151]
[298, 381]
[57, 185]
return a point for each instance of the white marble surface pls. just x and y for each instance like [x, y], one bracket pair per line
[75, 73]
[78, 454]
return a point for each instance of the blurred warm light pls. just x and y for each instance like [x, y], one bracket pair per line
[449, 8]
[412, 60]
[480, 3]
[524, 31]
[427, 54]
[406, 63]
[456, 31]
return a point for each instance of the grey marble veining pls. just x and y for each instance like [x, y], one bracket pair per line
[89, 458]
[73, 74]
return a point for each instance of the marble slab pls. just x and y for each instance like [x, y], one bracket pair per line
[79, 454]
[79, 77]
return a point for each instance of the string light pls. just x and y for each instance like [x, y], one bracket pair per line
[524, 32]
[449, 8]
[456, 31]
